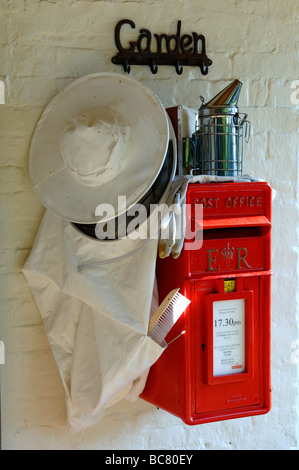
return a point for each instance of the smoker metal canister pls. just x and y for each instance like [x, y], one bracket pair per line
[219, 134]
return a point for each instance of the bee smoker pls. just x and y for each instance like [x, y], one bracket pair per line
[219, 134]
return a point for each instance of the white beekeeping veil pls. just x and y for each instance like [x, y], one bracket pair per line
[105, 135]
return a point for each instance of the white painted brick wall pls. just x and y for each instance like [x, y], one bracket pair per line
[44, 45]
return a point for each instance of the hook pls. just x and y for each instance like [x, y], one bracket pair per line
[204, 69]
[179, 70]
[154, 68]
[127, 68]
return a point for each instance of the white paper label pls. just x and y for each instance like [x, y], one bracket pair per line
[228, 337]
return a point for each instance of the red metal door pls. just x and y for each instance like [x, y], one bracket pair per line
[240, 388]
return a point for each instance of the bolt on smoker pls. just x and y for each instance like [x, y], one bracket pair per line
[220, 367]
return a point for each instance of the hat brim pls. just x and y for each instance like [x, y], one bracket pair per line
[55, 186]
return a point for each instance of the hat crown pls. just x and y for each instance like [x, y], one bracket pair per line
[94, 147]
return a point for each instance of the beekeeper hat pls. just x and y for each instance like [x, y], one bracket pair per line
[103, 136]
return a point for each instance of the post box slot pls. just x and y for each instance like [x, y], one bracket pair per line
[234, 232]
[248, 221]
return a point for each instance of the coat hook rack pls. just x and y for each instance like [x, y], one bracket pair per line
[180, 50]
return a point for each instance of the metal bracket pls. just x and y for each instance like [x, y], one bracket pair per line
[183, 54]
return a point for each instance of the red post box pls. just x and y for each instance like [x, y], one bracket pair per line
[220, 367]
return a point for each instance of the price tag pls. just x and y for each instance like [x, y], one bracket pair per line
[228, 337]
